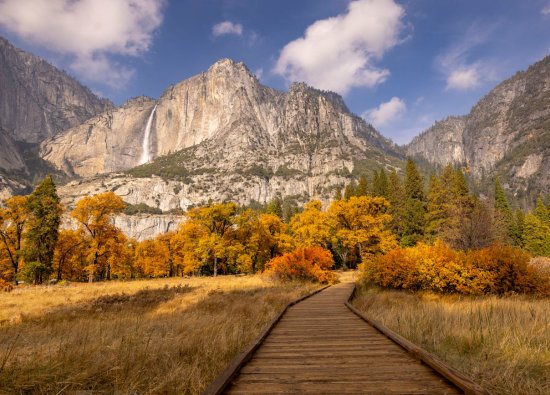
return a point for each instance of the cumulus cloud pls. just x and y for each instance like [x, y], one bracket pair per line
[461, 73]
[227, 27]
[340, 53]
[90, 32]
[386, 113]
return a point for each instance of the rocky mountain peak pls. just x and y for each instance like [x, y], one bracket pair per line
[37, 100]
[506, 134]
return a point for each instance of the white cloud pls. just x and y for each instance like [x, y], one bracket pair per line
[546, 10]
[259, 73]
[339, 53]
[386, 113]
[461, 73]
[465, 78]
[227, 27]
[88, 31]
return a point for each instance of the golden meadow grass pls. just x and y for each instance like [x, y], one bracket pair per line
[153, 336]
[503, 343]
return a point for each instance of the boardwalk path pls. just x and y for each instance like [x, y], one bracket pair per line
[320, 346]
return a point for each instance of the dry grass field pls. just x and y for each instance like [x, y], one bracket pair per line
[503, 343]
[152, 336]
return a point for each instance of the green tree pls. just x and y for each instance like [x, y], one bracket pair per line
[41, 238]
[502, 215]
[275, 207]
[536, 235]
[396, 197]
[351, 190]
[414, 211]
[362, 187]
[337, 194]
[380, 184]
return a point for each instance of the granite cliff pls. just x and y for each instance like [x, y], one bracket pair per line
[506, 134]
[222, 135]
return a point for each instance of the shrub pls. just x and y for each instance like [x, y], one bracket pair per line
[304, 263]
[496, 269]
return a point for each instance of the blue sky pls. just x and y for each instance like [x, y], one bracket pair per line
[402, 64]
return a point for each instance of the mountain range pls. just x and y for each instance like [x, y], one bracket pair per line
[223, 135]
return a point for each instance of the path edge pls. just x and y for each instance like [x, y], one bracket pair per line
[224, 379]
[454, 376]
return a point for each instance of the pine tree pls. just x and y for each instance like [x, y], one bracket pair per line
[380, 184]
[41, 238]
[502, 216]
[275, 207]
[362, 187]
[414, 212]
[337, 194]
[396, 197]
[351, 190]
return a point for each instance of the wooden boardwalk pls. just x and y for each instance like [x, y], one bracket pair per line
[321, 347]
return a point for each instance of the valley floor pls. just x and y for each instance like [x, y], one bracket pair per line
[502, 343]
[152, 336]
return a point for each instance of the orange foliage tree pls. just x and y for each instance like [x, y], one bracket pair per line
[496, 269]
[304, 263]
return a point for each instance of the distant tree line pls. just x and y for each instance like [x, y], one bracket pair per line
[367, 218]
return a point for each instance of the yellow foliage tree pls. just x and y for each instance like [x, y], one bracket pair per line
[311, 227]
[360, 226]
[95, 217]
[13, 220]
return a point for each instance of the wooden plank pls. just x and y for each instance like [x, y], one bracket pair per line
[459, 379]
[219, 385]
[319, 346]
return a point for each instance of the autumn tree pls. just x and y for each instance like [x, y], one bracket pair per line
[152, 258]
[185, 246]
[262, 237]
[215, 245]
[69, 261]
[94, 215]
[311, 227]
[41, 238]
[13, 221]
[360, 226]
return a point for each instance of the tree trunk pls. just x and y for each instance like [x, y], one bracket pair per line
[215, 266]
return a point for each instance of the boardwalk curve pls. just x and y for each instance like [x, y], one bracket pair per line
[320, 346]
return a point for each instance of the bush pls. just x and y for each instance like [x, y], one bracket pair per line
[493, 270]
[304, 263]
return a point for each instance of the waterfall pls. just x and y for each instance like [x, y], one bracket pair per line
[146, 144]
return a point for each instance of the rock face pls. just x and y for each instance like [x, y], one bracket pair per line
[506, 134]
[442, 143]
[10, 157]
[222, 135]
[226, 107]
[37, 100]
[109, 142]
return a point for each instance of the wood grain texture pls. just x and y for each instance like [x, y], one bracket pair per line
[320, 346]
